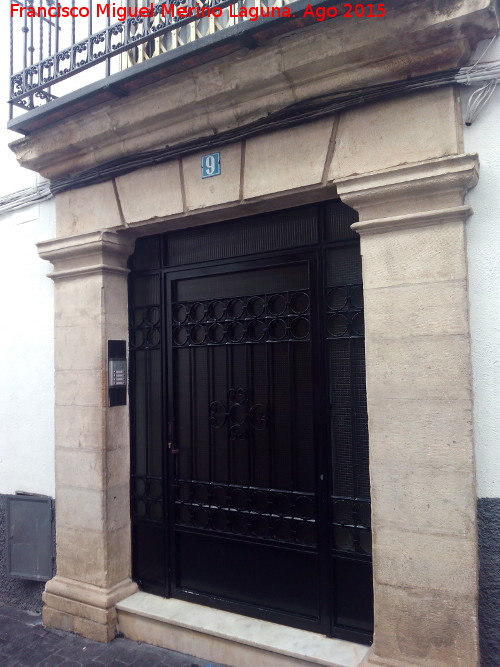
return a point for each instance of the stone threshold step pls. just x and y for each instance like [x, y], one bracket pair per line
[231, 639]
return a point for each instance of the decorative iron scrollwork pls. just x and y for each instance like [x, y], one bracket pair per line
[238, 415]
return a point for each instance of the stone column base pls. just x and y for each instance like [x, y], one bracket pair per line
[83, 608]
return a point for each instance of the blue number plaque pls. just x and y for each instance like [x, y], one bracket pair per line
[210, 165]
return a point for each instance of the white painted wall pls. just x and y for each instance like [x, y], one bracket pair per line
[483, 249]
[26, 353]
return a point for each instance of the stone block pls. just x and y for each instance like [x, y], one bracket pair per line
[78, 348]
[417, 310]
[80, 468]
[78, 302]
[432, 434]
[81, 509]
[85, 388]
[287, 159]
[417, 498]
[150, 193]
[425, 255]
[80, 427]
[418, 367]
[217, 190]
[396, 131]
[87, 209]
[409, 559]
[425, 628]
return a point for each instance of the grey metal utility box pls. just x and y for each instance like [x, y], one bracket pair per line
[29, 536]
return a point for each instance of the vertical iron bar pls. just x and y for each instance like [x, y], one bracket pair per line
[11, 85]
[56, 58]
[291, 401]
[89, 46]
[192, 409]
[107, 43]
[270, 439]
[73, 36]
[210, 359]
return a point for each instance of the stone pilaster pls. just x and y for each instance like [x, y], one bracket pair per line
[92, 439]
[412, 227]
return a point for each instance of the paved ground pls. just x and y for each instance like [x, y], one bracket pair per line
[25, 642]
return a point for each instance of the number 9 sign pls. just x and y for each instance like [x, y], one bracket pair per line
[210, 165]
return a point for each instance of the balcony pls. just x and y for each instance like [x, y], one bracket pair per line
[103, 50]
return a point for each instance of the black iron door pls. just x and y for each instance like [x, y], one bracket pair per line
[250, 488]
[245, 476]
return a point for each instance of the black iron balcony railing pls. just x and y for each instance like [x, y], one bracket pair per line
[51, 42]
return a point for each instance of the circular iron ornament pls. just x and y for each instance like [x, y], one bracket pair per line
[300, 328]
[304, 507]
[358, 324]
[140, 508]
[235, 308]
[201, 517]
[198, 334]
[238, 395]
[365, 541]
[344, 539]
[276, 304]
[197, 312]
[184, 491]
[260, 501]
[305, 533]
[258, 416]
[336, 298]
[338, 325]
[153, 337]
[216, 310]
[282, 530]
[239, 499]
[185, 514]
[343, 511]
[217, 414]
[237, 414]
[236, 332]
[357, 296]
[299, 302]
[256, 330]
[180, 335]
[138, 338]
[277, 329]
[219, 496]
[256, 306]
[201, 493]
[216, 333]
[139, 488]
[153, 315]
[155, 489]
[260, 527]
[364, 515]
[219, 521]
[281, 504]
[239, 524]
[155, 510]
[180, 313]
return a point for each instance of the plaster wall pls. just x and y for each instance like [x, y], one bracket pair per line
[483, 242]
[26, 353]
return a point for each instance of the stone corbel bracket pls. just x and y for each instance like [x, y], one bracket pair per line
[413, 195]
[91, 253]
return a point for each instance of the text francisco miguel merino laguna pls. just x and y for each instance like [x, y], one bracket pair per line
[110, 10]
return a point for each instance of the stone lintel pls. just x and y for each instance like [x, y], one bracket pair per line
[325, 58]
